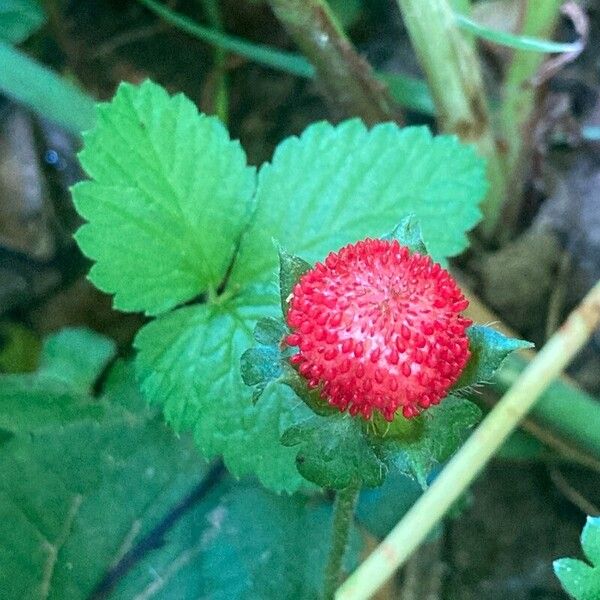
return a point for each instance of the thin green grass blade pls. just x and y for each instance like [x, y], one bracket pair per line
[260, 53]
[519, 42]
[44, 91]
[409, 92]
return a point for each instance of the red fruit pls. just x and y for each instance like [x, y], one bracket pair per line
[379, 329]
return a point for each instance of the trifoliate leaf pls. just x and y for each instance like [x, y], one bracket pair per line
[334, 452]
[291, 268]
[76, 493]
[408, 233]
[19, 19]
[245, 544]
[169, 196]
[488, 349]
[338, 184]
[189, 364]
[579, 579]
[445, 428]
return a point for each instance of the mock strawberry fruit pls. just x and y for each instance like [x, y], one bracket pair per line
[379, 329]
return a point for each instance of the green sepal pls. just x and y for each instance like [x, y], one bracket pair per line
[338, 450]
[408, 233]
[488, 349]
[310, 396]
[291, 268]
[579, 579]
[334, 452]
[269, 331]
[261, 364]
[269, 363]
[400, 428]
[443, 429]
[265, 362]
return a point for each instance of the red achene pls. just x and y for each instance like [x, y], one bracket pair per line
[379, 328]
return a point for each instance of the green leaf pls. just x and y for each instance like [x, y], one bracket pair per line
[445, 428]
[19, 19]
[28, 403]
[169, 197]
[291, 268]
[44, 91]
[76, 356]
[76, 493]
[488, 349]
[189, 364]
[590, 540]
[70, 362]
[337, 184]
[334, 452]
[580, 580]
[408, 233]
[249, 544]
[381, 508]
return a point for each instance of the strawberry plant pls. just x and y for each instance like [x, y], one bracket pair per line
[363, 377]
[276, 380]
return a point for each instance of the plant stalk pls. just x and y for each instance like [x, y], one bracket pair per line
[221, 93]
[454, 75]
[406, 91]
[464, 467]
[343, 513]
[519, 103]
[345, 77]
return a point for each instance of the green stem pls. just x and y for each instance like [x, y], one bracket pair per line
[221, 96]
[562, 408]
[346, 79]
[343, 514]
[519, 102]
[565, 417]
[454, 75]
